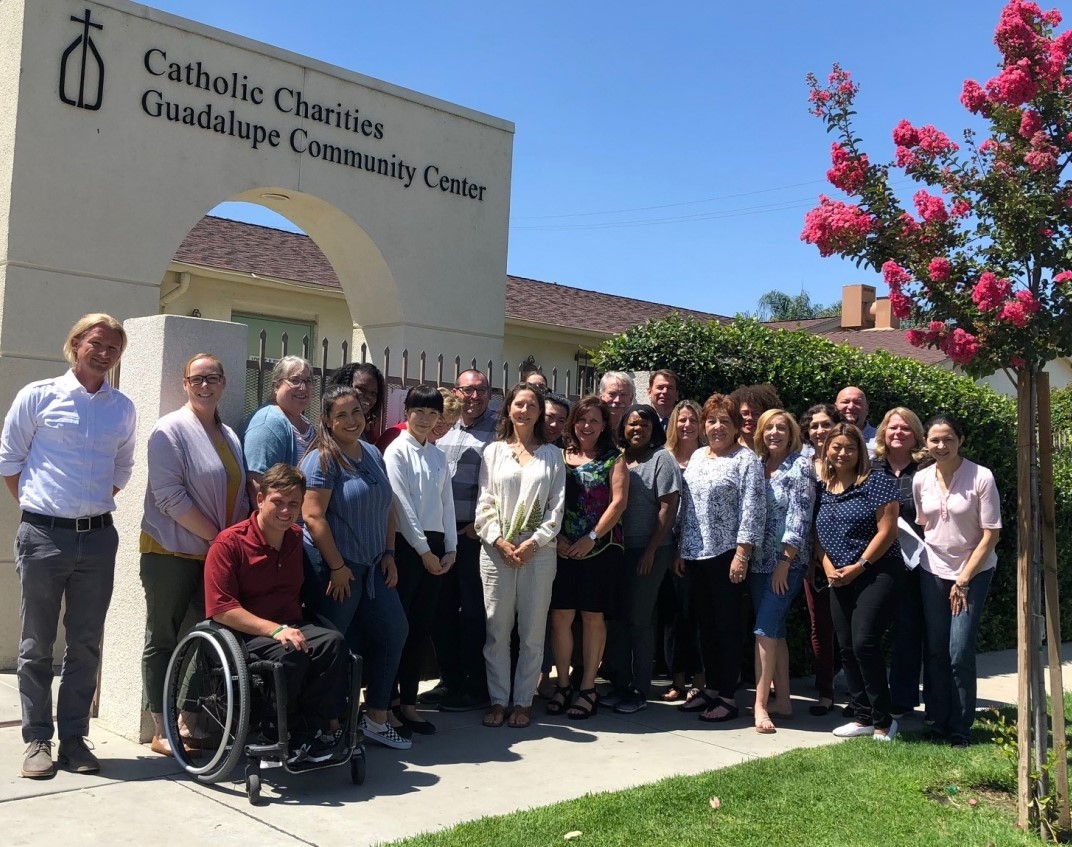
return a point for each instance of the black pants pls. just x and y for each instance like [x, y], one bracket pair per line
[716, 608]
[316, 680]
[418, 590]
[862, 611]
[459, 631]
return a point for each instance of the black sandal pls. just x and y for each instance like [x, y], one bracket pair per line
[731, 712]
[578, 712]
[559, 700]
[698, 701]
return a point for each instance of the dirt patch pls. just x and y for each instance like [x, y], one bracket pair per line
[992, 796]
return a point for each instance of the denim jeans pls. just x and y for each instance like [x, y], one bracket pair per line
[371, 618]
[950, 667]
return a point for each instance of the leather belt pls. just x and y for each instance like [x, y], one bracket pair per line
[77, 524]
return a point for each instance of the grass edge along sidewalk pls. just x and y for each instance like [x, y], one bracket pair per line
[858, 792]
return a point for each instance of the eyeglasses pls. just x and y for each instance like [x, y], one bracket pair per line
[208, 379]
[472, 390]
[298, 382]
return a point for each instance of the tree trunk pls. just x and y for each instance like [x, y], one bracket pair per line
[1025, 628]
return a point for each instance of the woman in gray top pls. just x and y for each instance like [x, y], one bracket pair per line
[196, 488]
[654, 490]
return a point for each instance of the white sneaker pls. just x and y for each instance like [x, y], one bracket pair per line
[889, 735]
[383, 733]
[853, 730]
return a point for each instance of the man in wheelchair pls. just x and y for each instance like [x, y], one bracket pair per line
[253, 579]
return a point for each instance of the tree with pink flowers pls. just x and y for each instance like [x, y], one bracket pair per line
[979, 259]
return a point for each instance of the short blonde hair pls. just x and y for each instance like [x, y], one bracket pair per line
[452, 405]
[910, 418]
[762, 450]
[83, 325]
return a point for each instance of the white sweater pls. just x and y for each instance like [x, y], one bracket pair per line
[518, 500]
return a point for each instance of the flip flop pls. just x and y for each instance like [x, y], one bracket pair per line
[521, 717]
[732, 712]
[494, 717]
[765, 726]
[698, 701]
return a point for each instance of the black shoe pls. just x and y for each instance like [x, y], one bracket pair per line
[960, 742]
[433, 696]
[419, 727]
[463, 702]
[849, 711]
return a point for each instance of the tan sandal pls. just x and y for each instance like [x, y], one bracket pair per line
[521, 717]
[495, 716]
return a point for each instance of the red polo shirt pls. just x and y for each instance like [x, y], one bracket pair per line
[244, 571]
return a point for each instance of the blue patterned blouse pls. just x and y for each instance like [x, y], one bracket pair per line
[723, 504]
[790, 506]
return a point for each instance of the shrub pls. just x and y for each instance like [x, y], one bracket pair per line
[808, 369]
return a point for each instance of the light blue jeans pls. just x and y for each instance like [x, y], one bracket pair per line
[950, 667]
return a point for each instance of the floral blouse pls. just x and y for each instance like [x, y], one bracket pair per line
[790, 506]
[587, 498]
[723, 504]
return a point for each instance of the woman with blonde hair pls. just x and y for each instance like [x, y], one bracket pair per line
[856, 528]
[777, 574]
[899, 452]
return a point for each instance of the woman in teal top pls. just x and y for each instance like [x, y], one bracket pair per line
[590, 551]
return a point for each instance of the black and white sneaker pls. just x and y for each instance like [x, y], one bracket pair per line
[383, 733]
[631, 703]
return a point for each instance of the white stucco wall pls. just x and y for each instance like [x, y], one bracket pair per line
[94, 202]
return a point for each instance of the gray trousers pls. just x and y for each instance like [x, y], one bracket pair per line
[53, 565]
[631, 639]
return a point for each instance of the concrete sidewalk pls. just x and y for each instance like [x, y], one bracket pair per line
[464, 772]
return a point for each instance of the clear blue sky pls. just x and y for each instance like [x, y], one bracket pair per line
[663, 151]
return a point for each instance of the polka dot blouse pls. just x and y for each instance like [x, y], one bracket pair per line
[846, 522]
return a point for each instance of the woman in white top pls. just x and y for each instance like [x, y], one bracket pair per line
[518, 517]
[426, 539]
[958, 507]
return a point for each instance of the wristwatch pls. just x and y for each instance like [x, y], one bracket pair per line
[593, 535]
[864, 563]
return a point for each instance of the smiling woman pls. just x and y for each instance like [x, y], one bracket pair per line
[196, 489]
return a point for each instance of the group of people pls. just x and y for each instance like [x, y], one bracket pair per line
[536, 538]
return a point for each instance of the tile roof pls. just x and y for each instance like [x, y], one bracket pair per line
[249, 248]
[261, 250]
[577, 308]
[891, 340]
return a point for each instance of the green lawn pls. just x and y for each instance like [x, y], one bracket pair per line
[909, 793]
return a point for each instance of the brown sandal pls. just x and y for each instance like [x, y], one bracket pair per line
[521, 717]
[495, 716]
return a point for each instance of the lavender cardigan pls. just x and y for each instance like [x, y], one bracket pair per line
[185, 472]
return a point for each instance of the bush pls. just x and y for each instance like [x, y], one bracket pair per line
[808, 369]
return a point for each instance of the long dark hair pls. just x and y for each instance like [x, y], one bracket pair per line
[648, 413]
[581, 408]
[345, 376]
[504, 429]
[324, 441]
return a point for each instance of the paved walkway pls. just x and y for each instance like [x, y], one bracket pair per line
[462, 773]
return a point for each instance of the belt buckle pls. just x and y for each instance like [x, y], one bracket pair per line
[83, 524]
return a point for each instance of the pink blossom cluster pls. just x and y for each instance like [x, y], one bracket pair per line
[836, 227]
[1014, 86]
[1030, 123]
[1018, 310]
[930, 207]
[900, 304]
[837, 95]
[1063, 276]
[939, 269]
[1017, 33]
[849, 172]
[960, 346]
[894, 274]
[928, 140]
[990, 292]
[974, 98]
[960, 209]
[1043, 154]
[936, 331]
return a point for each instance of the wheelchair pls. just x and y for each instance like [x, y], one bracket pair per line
[221, 705]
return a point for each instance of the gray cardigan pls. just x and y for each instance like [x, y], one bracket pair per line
[185, 472]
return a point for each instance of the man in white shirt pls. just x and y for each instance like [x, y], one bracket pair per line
[67, 448]
[852, 403]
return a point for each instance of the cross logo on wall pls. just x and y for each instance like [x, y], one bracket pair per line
[81, 61]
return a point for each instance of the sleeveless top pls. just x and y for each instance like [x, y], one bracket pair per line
[587, 498]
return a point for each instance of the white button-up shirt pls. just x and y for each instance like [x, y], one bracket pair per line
[69, 448]
[423, 497]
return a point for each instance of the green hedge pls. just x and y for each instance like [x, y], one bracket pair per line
[807, 369]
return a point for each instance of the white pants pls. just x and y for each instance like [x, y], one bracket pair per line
[521, 594]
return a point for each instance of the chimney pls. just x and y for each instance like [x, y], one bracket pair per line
[883, 316]
[856, 302]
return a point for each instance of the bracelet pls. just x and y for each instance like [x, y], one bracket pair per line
[388, 552]
[339, 568]
[278, 630]
[739, 558]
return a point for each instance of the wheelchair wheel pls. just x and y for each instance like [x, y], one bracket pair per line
[206, 702]
[357, 767]
[253, 786]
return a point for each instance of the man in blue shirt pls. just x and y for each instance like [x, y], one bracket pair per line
[67, 448]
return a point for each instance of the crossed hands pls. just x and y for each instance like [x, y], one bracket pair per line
[515, 557]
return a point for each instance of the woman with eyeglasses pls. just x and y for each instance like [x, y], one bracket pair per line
[367, 380]
[957, 505]
[349, 527]
[279, 431]
[196, 489]
[856, 526]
